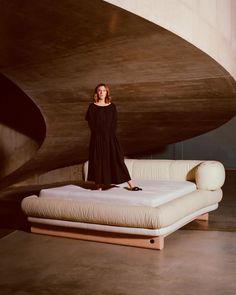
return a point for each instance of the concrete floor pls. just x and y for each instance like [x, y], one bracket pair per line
[199, 259]
[193, 262]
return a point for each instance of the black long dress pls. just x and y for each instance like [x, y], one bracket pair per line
[106, 160]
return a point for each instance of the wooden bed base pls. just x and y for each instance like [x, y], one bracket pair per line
[149, 242]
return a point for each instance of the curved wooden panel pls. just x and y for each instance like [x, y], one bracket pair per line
[19, 112]
[22, 127]
[165, 89]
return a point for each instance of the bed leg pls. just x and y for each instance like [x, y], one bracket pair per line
[204, 217]
[158, 242]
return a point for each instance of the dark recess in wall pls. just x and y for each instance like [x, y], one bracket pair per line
[19, 112]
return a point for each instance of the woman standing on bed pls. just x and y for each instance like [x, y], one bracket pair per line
[106, 160]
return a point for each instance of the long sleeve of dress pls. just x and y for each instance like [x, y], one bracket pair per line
[90, 118]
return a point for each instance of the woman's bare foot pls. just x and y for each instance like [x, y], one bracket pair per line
[99, 187]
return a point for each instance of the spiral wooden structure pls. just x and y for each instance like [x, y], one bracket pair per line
[52, 55]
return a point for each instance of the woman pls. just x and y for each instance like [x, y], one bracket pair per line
[106, 160]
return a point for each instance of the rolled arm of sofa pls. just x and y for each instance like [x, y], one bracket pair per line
[210, 175]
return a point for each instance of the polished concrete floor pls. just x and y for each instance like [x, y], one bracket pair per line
[193, 262]
[198, 259]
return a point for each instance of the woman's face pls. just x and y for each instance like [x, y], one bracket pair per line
[102, 92]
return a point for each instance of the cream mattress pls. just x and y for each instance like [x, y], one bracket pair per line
[154, 193]
[123, 229]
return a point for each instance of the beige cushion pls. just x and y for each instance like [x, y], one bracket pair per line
[120, 215]
[210, 175]
[162, 169]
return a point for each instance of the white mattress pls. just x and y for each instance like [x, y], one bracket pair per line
[154, 193]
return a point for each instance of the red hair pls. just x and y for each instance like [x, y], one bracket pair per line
[108, 95]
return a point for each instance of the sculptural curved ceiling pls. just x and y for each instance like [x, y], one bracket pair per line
[165, 89]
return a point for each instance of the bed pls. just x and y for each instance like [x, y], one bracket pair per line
[175, 192]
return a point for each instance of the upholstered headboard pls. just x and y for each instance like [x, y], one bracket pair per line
[208, 175]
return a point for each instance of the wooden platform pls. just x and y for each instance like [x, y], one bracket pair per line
[149, 242]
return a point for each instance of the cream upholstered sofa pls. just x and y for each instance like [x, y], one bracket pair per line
[175, 192]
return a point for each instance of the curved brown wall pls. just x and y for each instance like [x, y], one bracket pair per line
[22, 127]
[165, 89]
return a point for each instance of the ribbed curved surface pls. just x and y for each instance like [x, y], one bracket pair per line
[22, 127]
[19, 112]
[165, 89]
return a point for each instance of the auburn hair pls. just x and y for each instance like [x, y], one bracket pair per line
[108, 95]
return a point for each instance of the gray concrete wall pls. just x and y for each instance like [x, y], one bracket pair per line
[219, 144]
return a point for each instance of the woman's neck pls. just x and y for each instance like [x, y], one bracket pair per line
[102, 102]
